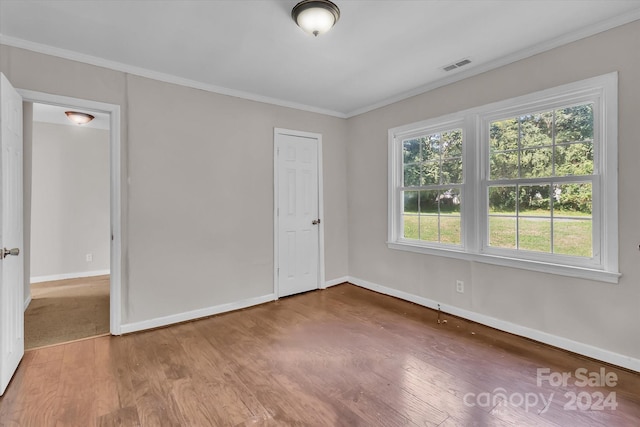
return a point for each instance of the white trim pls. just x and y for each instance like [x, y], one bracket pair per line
[321, 272]
[513, 328]
[115, 289]
[523, 264]
[27, 302]
[276, 261]
[115, 292]
[276, 209]
[156, 75]
[335, 282]
[52, 277]
[194, 314]
[603, 266]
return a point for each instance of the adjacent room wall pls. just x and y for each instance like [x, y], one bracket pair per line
[595, 314]
[69, 201]
[197, 185]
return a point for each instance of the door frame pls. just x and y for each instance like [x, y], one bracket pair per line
[276, 261]
[113, 110]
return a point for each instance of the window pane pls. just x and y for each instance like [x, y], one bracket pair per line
[423, 220]
[502, 199]
[536, 130]
[535, 163]
[430, 173]
[574, 124]
[572, 236]
[410, 217]
[431, 147]
[429, 228]
[450, 229]
[502, 231]
[575, 198]
[504, 165]
[452, 171]
[411, 175]
[503, 135]
[451, 144]
[450, 201]
[533, 200]
[574, 159]
[534, 218]
[410, 202]
[429, 202]
[534, 234]
[411, 151]
[502, 219]
[410, 225]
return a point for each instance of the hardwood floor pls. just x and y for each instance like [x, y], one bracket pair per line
[343, 356]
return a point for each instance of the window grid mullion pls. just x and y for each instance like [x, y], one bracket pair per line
[573, 95]
[517, 216]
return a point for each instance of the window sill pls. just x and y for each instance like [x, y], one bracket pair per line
[542, 267]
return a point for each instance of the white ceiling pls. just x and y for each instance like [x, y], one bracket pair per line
[379, 52]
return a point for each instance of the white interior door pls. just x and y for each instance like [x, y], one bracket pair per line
[12, 261]
[298, 219]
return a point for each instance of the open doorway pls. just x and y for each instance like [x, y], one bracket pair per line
[70, 228]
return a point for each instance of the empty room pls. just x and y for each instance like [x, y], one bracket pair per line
[322, 213]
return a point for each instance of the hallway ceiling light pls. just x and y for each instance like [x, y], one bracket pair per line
[79, 118]
[315, 16]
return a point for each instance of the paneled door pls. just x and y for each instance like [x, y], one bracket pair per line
[11, 257]
[297, 213]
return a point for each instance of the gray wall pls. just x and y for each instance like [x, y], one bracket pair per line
[69, 200]
[599, 314]
[197, 184]
[201, 196]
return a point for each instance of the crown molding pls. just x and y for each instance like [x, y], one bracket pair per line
[155, 75]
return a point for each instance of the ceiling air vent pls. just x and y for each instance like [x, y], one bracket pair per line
[456, 65]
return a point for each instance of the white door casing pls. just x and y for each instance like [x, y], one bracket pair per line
[11, 229]
[115, 292]
[298, 219]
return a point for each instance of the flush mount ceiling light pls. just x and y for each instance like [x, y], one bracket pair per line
[79, 118]
[315, 16]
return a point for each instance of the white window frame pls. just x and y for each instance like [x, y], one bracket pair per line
[602, 91]
[429, 129]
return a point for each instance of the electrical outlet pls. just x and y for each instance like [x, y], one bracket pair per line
[89, 257]
[460, 286]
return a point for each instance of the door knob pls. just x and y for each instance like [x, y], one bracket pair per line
[315, 221]
[14, 251]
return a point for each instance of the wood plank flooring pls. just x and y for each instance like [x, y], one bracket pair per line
[344, 356]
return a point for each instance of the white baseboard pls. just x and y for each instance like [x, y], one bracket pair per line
[334, 282]
[27, 302]
[40, 279]
[523, 331]
[195, 314]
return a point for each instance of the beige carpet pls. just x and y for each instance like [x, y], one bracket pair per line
[66, 310]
